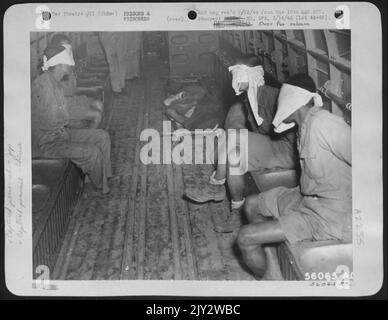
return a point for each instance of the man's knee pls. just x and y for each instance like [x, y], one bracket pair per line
[101, 133]
[251, 210]
[245, 237]
[91, 153]
[101, 137]
[251, 207]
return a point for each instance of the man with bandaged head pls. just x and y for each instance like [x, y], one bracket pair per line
[83, 111]
[320, 208]
[264, 150]
[52, 137]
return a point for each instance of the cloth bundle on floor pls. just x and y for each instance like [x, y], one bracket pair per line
[193, 108]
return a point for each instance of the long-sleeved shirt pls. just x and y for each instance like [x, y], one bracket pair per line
[73, 100]
[49, 112]
[69, 85]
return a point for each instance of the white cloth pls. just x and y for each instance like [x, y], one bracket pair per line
[254, 76]
[69, 50]
[235, 205]
[290, 99]
[64, 57]
[216, 182]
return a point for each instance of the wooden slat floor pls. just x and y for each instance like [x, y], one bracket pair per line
[144, 229]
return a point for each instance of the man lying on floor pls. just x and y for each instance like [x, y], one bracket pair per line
[318, 209]
[52, 136]
[265, 150]
[193, 108]
[83, 111]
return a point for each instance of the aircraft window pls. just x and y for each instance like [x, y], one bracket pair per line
[320, 40]
[343, 44]
[322, 69]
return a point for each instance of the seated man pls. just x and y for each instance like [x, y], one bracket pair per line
[83, 111]
[265, 150]
[320, 208]
[51, 136]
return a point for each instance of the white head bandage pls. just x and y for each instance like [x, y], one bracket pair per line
[64, 57]
[254, 76]
[290, 99]
[69, 49]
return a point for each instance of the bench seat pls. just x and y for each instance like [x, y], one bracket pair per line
[47, 174]
[56, 186]
[303, 257]
[321, 256]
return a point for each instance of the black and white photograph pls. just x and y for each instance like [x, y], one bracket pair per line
[208, 155]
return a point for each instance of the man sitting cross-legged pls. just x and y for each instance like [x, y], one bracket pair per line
[318, 209]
